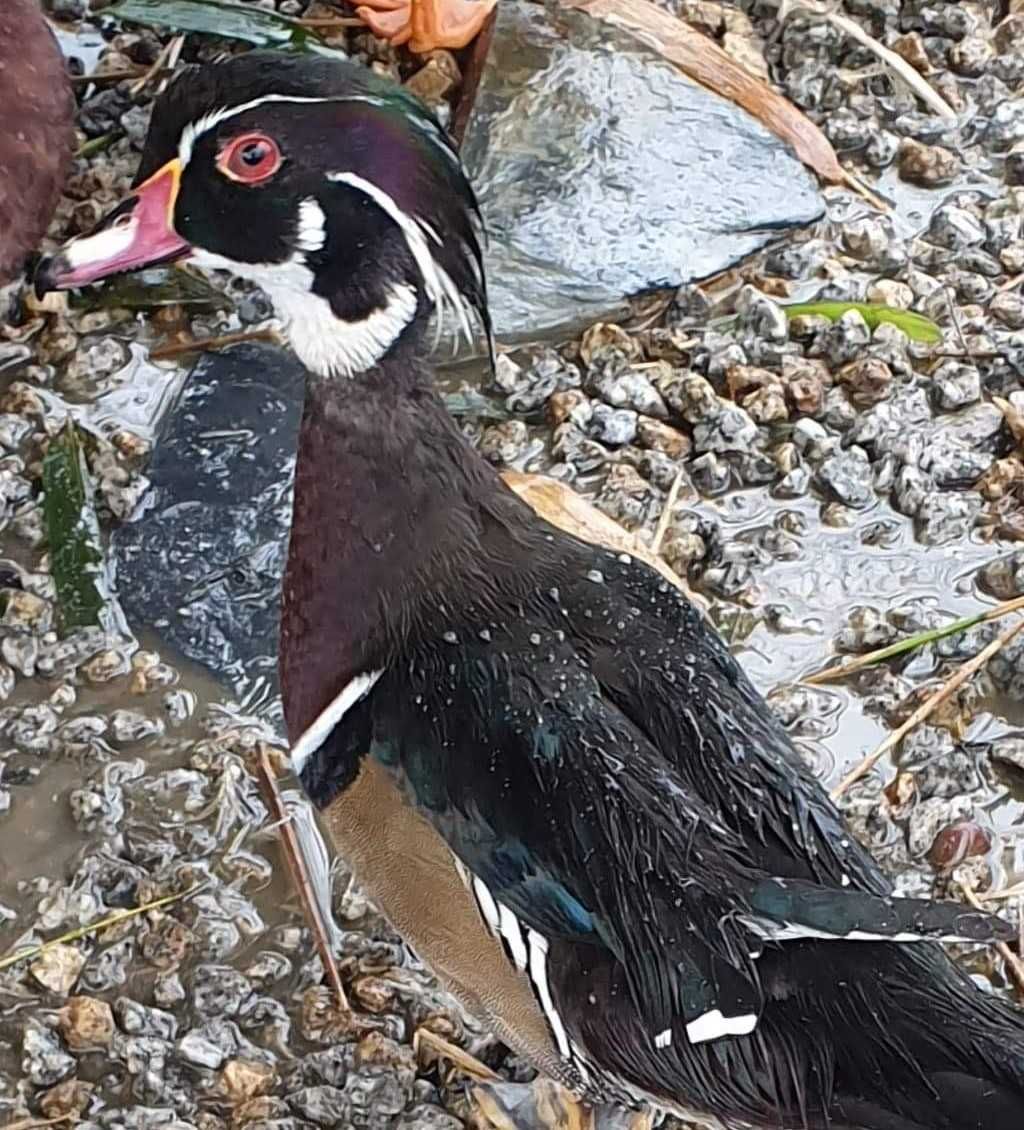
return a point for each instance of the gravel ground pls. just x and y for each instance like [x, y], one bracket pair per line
[838, 487]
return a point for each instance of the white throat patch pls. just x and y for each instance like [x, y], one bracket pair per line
[326, 344]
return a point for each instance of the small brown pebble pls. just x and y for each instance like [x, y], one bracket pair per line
[86, 1023]
[607, 335]
[22, 400]
[837, 516]
[1001, 477]
[774, 286]
[807, 395]
[911, 48]
[374, 993]
[891, 292]
[742, 380]
[928, 165]
[167, 943]
[242, 1079]
[867, 380]
[65, 1101]
[658, 436]
[561, 404]
[956, 842]
[436, 79]
[375, 1049]
[767, 405]
[266, 1110]
[105, 666]
[900, 791]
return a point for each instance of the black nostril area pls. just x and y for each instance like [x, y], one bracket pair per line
[45, 277]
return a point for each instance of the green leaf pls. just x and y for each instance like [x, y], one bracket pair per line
[257, 26]
[916, 326]
[76, 561]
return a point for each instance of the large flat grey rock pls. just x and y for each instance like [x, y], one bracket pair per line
[604, 172]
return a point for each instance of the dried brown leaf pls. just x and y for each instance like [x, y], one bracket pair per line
[567, 510]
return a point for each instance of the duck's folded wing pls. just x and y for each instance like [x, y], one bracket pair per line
[582, 845]
[571, 831]
[666, 669]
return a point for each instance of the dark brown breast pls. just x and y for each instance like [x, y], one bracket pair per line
[36, 113]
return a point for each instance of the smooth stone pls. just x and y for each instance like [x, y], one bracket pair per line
[202, 566]
[603, 172]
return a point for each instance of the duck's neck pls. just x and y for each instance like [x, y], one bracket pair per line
[394, 514]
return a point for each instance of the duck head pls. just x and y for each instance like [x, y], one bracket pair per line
[333, 189]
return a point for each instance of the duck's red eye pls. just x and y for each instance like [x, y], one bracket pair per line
[251, 159]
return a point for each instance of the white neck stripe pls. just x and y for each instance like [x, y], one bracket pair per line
[313, 738]
[439, 286]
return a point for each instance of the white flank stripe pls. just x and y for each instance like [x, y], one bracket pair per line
[539, 977]
[439, 286]
[325, 722]
[794, 932]
[488, 907]
[579, 1060]
[713, 1026]
[663, 1039]
[512, 934]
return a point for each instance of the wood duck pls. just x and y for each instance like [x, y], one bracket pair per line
[36, 115]
[426, 25]
[543, 764]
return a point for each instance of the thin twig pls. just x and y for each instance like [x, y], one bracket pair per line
[960, 676]
[666, 514]
[854, 182]
[319, 23]
[208, 344]
[1003, 894]
[114, 76]
[32, 1123]
[911, 643]
[424, 1038]
[1014, 964]
[94, 927]
[166, 60]
[300, 878]
[917, 83]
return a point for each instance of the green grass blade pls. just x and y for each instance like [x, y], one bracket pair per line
[916, 326]
[76, 560]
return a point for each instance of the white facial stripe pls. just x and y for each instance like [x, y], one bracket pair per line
[101, 247]
[713, 1026]
[325, 722]
[326, 344]
[439, 286]
[192, 132]
[312, 230]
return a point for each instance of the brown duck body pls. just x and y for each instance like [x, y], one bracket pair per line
[36, 113]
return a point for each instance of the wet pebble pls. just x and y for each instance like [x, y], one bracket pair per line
[928, 165]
